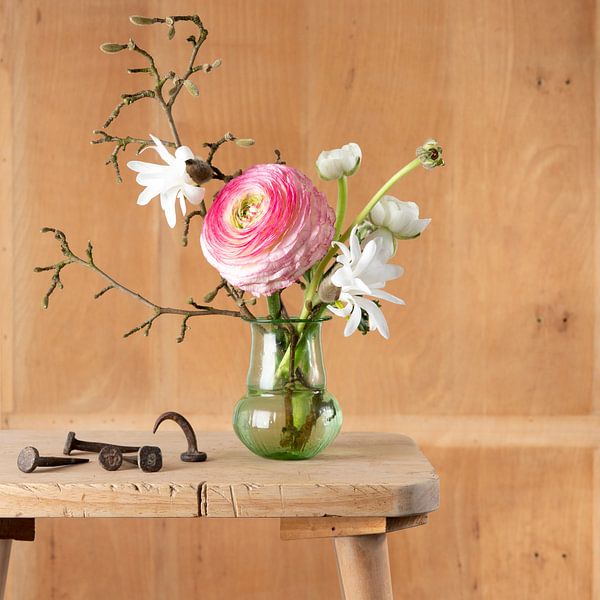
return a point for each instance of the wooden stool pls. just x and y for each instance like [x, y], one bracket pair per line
[363, 487]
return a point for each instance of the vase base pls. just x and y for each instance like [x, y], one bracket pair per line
[261, 424]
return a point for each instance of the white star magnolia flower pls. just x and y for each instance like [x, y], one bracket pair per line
[363, 272]
[170, 181]
[401, 218]
[334, 164]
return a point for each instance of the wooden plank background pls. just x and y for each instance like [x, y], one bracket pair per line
[493, 366]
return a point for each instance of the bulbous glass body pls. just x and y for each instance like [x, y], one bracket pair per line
[287, 412]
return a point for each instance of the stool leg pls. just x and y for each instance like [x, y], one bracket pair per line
[4, 558]
[364, 567]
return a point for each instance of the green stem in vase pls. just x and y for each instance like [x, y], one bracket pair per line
[274, 305]
[342, 202]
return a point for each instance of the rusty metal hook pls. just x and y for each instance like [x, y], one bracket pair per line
[192, 454]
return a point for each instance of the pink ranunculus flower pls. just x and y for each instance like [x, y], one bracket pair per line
[266, 227]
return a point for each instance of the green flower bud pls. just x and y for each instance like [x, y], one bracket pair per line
[190, 86]
[245, 142]
[138, 20]
[112, 48]
[211, 295]
[217, 63]
[430, 154]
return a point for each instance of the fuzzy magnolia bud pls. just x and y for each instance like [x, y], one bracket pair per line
[190, 86]
[328, 292]
[138, 20]
[112, 48]
[245, 142]
[211, 295]
[199, 170]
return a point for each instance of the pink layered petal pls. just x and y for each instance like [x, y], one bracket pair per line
[292, 231]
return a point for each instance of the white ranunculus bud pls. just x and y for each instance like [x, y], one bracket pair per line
[334, 164]
[386, 241]
[401, 218]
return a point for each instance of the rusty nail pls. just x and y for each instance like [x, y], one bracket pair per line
[192, 454]
[72, 443]
[110, 457]
[148, 458]
[29, 460]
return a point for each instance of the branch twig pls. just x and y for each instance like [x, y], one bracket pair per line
[186, 221]
[71, 258]
[213, 147]
[156, 92]
[121, 144]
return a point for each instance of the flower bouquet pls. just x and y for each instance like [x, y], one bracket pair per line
[264, 230]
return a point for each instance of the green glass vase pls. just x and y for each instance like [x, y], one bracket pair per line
[287, 412]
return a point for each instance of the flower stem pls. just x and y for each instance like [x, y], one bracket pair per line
[274, 304]
[294, 350]
[342, 201]
[320, 268]
[364, 213]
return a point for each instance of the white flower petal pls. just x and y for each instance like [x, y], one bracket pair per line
[167, 203]
[384, 239]
[183, 153]
[170, 180]
[354, 247]
[182, 205]
[367, 255]
[162, 151]
[333, 164]
[415, 228]
[364, 272]
[353, 321]
[193, 193]
[147, 194]
[399, 217]
[153, 177]
[346, 257]
[385, 296]
[378, 214]
[171, 216]
[141, 166]
[376, 318]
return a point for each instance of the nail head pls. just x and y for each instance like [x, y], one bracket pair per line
[111, 458]
[28, 459]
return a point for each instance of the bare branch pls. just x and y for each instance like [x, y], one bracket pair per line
[215, 291]
[121, 144]
[103, 291]
[187, 219]
[127, 100]
[213, 147]
[71, 258]
[156, 93]
[238, 297]
[184, 328]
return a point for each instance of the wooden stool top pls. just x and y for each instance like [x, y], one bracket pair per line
[359, 475]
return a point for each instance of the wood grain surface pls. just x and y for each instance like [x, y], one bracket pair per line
[388, 477]
[492, 366]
